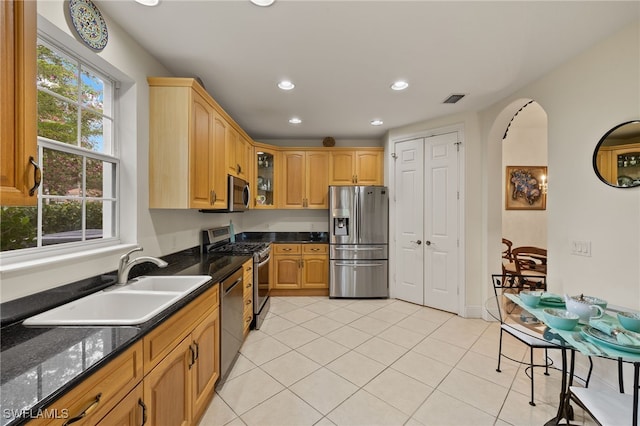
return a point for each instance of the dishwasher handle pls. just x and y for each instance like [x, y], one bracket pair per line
[228, 289]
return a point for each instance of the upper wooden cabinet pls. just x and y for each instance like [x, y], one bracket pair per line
[186, 147]
[18, 114]
[236, 154]
[305, 179]
[265, 177]
[356, 167]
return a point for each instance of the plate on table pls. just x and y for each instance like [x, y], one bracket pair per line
[598, 336]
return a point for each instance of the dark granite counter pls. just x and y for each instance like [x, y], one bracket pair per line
[285, 237]
[40, 364]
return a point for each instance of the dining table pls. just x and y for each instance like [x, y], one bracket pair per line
[583, 339]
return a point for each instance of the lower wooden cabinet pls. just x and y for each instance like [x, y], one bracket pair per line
[300, 267]
[166, 378]
[247, 280]
[131, 411]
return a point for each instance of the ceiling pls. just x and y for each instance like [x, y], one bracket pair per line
[344, 55]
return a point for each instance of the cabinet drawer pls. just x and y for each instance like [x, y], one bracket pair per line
[160, 341]
[286, 248]
[247, 267]
[100, 392]
[315, 248]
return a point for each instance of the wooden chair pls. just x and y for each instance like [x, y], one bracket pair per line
[530, 262]
[508, 265]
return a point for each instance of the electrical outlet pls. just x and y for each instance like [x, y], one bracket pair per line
[581, 248]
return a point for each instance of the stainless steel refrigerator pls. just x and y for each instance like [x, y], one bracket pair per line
[358, 242]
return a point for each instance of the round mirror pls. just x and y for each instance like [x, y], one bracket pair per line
[616, 159]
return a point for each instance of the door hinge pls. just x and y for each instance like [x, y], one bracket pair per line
[394, 155]
[457, 144]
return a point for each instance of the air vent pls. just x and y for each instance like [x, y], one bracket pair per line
[453, 99]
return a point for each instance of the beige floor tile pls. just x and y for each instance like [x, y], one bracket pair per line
[387, 314]
[444, 410]
[218, 413]
[254, 336]
[401, 336]
[275, 325]
[296, 336]
[299, 316]
[241, 366]
[370, 325]
[419, 367]
[322, 307]
[349, 336]
[322, 325]
[290, 367]
[356, 368]
[413, 422]
[478, 392]
[439, 350]
[324, 390]
[472, 325]
[459, 338]
[343, 315]
[303, 300]
[248, 390]
[381, 350]
[485, 367]
[418, 325]
[281, 307]
[405, 307]
[324, 422]
[433, 315]
[517, 411]
[264, 350]
[235, 422]
[323, 350]
[547, 388]
[502, 423]
[365, 409]
[285, 408]
[362, 307]
[399, 390]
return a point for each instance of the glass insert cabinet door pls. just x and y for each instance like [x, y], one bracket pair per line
[265, 178]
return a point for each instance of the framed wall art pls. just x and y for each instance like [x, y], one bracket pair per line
[526, 188]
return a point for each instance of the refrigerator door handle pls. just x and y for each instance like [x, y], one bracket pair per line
[358, 249]
[359, 265]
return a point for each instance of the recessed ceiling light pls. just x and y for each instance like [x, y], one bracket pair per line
[376, 122]
[286, 85]
[262, 3]
[295, 120]
[399, 85]
[148, 2]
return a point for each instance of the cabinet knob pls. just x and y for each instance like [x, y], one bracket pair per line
[286, 249]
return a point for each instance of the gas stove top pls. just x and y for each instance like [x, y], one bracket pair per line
[239, 248]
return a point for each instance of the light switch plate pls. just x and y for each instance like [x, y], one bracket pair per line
[581, 248]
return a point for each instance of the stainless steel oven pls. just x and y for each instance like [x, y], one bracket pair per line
[261, 274]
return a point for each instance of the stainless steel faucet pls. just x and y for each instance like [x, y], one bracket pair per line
[125, 264]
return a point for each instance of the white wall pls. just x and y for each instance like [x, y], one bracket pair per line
[525, 145]
[583, 99]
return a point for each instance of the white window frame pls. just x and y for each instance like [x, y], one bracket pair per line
[34, 256]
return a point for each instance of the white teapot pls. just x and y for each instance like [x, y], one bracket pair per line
[583, 307]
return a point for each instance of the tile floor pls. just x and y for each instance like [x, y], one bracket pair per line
[318, 361]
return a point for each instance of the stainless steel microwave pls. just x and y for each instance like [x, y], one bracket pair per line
[238, 197]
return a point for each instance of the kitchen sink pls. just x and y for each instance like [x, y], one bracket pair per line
[131, 304]
[176, 283]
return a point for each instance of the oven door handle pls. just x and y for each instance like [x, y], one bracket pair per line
[264, 262]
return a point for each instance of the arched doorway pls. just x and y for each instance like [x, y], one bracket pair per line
[524, 153]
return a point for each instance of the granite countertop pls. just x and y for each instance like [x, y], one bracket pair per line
[285, 237]
[40, 364]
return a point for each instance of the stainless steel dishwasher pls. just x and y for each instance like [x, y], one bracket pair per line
[231, 322]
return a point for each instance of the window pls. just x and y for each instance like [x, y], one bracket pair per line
[78, 198]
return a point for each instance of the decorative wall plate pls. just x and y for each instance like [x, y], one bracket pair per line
[88, 23]
[328, 141]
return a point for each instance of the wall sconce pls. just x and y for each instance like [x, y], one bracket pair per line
[543, 185]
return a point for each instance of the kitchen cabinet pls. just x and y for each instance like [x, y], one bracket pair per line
[303, 268]
[247, 296]
[131, 411]
[236, 154]
[356, 167]
[187, 137]
[305, 179]
[18, 107]
[101, 393]
[265, 177]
